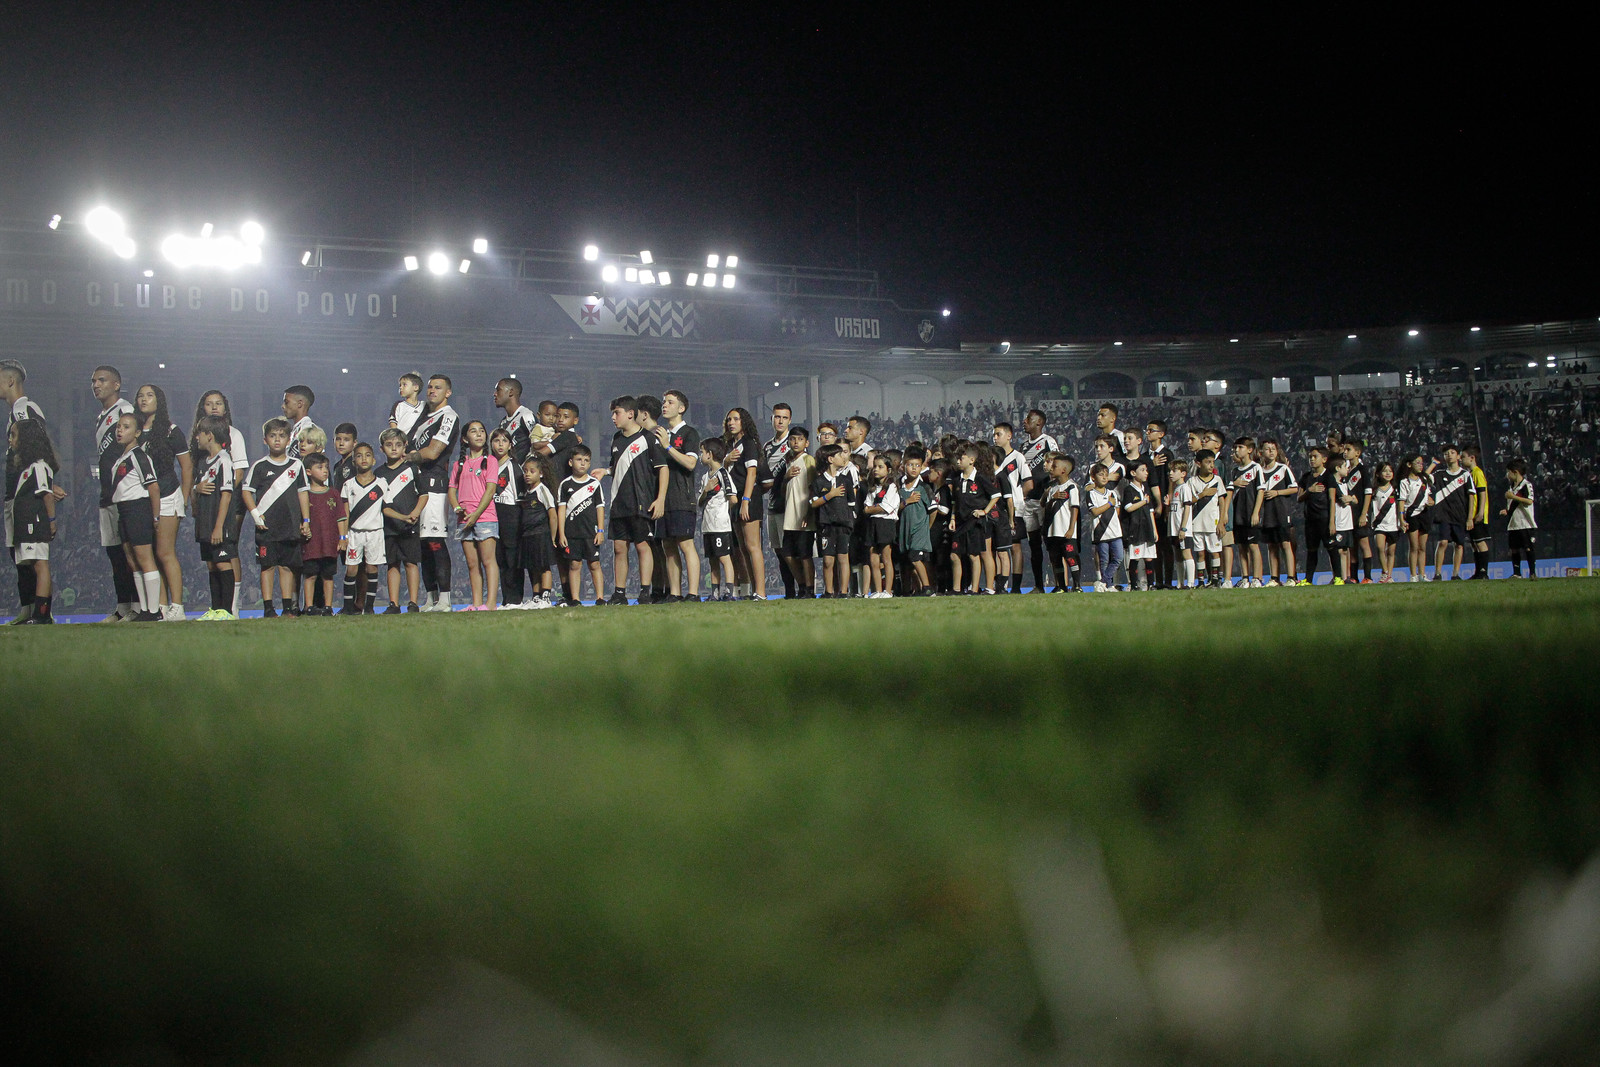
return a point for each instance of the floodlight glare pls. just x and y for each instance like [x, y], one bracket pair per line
[1350, 337]
[945, 313]
[608, 273]
[591, 252]
[693, 279]
[712, 261]
[411, 262]
[648, 277]
[251, 233]
[149, 274]
[1475, 329]
[646, 258]
[466, 265]
[438, 262]
[305, 259]
[710, 280]
[631, 274]
[727, 281]
[1412, 333]
[55, 220]
[480, 246]
[1533, 365]
[731, 262]
[665, 278]
[104, 224]
[124, 247]
[205, 230]
[1231, 341]
[177, 251]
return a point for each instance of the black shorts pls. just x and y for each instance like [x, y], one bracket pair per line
[634, 529]
[1000, 532]
[222, 552]
[799, 544]
[1361, 533]
[138, 525]
[758, 508]
[1275, 535]
[1338, 541]
[583, 550]
[279, 554]
[318, 569]
[1019, 530]
[969, 539]
[1453, 533]
[675, 526]
[914, 555]
[834, 541]
[861, 544]
[717, 545]
[400, 548]
[884, 532]
[1521, 540]
[1246, 535]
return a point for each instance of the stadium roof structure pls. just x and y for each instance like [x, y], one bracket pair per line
[351, 300]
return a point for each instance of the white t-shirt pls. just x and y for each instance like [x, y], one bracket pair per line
[1106, 526]
[1180, 509]
[1521, 515]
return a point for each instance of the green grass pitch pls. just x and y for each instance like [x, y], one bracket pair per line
[804, 832]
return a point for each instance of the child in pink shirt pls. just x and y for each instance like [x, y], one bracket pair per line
[473, 481]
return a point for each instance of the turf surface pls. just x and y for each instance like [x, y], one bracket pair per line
[707, 829]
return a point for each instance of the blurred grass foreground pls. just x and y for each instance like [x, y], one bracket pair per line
[1326, 826]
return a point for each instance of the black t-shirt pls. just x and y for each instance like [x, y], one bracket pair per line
[972, 494]
[561, 449]
[275, 486]
[635, 458]
[1360, 485]
[217, 471]
[1315, 502]
[402, 486]
[164, 450]
[441, 425]
[582, 501]
[342, 472]
[1453, 496]
[680, 481]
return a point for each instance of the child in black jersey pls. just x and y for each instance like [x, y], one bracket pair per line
[214, 514]
[30, 474]
[536, 508]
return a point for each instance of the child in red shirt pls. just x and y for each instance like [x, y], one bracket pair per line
[320, 557]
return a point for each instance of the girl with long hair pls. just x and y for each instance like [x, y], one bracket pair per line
[168, 450]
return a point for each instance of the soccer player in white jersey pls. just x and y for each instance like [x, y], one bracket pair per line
[408, 409]
[433, 441]
[1016, 482]
[1208, 491]
[1278, 491]
[21, 409]
[1521, 528]
[1180, 513]
[297, 401]
[1034, 449]
[106, 385]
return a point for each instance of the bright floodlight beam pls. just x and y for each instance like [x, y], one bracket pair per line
[731, 262]
[480, 246]
[124, 247]
[630, 274]
[55, 220]
[713, 261]
[665, 277]
[411, 263]
[466, 265]
[648, 277]
[646, 258]
[305, 259]
[727, 281]
[591, 252]
[693, 279]
[608, 273]
[104, 224]
[438, 263]
[710, 280]
[252, 233]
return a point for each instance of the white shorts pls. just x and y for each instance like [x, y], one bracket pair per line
[1141, 551]
[432, 524]
[172, 504]
[1031, 514]
[110, 528]
[364, 546]
[32, 550]
[1208, 541]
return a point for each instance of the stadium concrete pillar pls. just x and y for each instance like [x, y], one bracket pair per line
[814, 401]
[744, 391]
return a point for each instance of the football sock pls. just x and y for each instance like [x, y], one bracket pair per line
[1016, 582]
[1480, 563]
[350, 584]
[27, 584]
[317, 597]
[151, 581]
[226, 586]
[1188, 572]
[430, 572]
[41, 606]
[1036, 560]
[372, 585]
[788, 581]
[233, 583]
[286, 604]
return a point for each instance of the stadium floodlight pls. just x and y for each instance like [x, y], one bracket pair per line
[709, 280]
[1231, 341]
[591, 252]
[1532, 365]
[104, 224]
[630, 274]
[648, 277]
[55, 220]
[693, 280]
[713, 261]
[665, 277]
[466, 265]
[177, 250]
[1118, 344]
[945, 313]
[438, 263]
[608, 273]
[305, 258]
[1412, 333]
[149, 274]
[1475, 329]
[252, 233]
[480, 246]
[410, 262]
[727, 281]
[731, 262]
[646, 258]
[205, 230]
[124, 247]
[1350, 337]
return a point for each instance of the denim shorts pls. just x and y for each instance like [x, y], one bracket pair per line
[481, 531]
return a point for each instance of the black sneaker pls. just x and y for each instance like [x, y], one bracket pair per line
[619, 598]
[411, 608]
[688, 600]
[38, 620]
[392, 609]
[147, 616]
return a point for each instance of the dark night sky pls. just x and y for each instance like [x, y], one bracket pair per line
[1043, 177]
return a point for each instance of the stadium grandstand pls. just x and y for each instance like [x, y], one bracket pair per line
[348, 317]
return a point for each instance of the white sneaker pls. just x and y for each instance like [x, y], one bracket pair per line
[173, 613]
[1099, 587]
[1272, 583]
